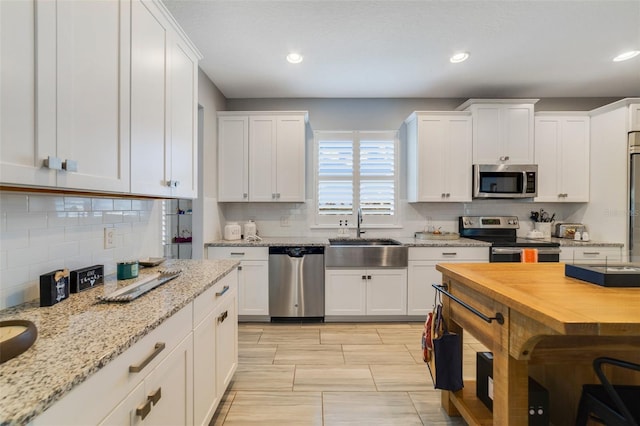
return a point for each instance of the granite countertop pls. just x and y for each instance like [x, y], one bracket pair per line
[83, 329]
[407, 241]
[320, 241]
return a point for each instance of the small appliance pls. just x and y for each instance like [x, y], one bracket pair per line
[634, 196]
[505, 180]
[569, 230]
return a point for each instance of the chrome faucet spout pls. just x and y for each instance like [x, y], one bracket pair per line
[359, 221]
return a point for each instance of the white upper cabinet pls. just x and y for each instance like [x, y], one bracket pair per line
[634, 120]
[562, 155]
[502, 130]
[97, 96]
[439, 156]
[261, 156]
[75, 116]
[164, 72]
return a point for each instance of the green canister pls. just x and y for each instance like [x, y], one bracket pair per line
[127, 270]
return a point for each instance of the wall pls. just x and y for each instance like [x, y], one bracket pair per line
[41, 233]
[383, 114]
[206, 213]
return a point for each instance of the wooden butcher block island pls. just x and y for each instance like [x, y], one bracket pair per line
[553, 328]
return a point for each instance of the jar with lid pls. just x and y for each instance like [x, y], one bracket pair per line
[250, 229]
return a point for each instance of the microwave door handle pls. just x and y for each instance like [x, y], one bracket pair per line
[524, 183]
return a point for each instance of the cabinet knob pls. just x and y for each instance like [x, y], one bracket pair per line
[70, 165]
[504, 158]
[245, 195]
[53, 163]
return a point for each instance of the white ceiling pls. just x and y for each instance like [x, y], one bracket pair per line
[398, 49]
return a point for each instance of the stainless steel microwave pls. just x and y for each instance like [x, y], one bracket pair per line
[505, 180]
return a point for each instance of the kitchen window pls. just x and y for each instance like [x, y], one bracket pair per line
[356, 169]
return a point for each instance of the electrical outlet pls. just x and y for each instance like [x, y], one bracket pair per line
[284, 221]
[109, 238]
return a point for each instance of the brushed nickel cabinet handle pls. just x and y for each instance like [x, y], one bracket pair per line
[159, 347]
[70, 165]
[155, 396]
[237, 253]
[53, 163]
[223, 317]
[591, 253]
[449, 253]
[144, 410]
[224, 290]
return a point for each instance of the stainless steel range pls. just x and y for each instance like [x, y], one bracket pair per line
[501, 231]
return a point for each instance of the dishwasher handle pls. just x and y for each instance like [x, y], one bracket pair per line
[296, 251]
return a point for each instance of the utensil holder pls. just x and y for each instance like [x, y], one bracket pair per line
[544, 227]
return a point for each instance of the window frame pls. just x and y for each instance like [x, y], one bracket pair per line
[369, 221]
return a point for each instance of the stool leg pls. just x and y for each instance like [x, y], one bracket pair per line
[583, 411]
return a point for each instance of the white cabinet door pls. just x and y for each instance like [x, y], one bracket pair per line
[233, 158]
[183, 107]
[170, 385]
[345, 292]
[226, 342]
[92, 114]
[439, 157]
[148, 100]
[22, 149]
[126, 413]
[420, 293]
[634, 120]
[163, 107]
[386, 292]
[253, 287]
[502, 133]
[290, 159]
[205, 397]
[562, 155]
[262, 158]
[67, 99]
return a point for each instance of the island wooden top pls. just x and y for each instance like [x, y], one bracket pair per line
[542, 291]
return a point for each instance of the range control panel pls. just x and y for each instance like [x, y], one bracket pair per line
[490, 222]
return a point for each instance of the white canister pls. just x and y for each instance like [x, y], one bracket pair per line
[232, 231]
[250, 229]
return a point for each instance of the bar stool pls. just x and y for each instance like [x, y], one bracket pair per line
[612, 405]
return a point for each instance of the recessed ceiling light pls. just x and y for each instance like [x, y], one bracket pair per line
[294, 58]
[626, 55]
[459, 57]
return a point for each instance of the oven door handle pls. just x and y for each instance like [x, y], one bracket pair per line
[507, 250]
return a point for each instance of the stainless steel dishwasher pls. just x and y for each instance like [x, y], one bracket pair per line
[296, 283]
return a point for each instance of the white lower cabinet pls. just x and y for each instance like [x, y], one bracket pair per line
[175, 375]
[365, 292]
[590, 254]
[253, 278]
[215, 345]
[422, 272]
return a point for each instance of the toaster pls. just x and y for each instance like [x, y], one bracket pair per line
[568, 230]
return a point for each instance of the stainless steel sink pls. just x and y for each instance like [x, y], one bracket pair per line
[365, 253]
[364, 242]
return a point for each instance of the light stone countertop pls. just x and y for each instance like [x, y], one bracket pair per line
[407, 241]
[81, 335]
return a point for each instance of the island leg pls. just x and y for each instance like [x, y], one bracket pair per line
[511, 389]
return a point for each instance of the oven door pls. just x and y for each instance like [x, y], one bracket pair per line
[513, 254]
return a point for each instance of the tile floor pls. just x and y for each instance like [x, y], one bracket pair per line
[335, 374]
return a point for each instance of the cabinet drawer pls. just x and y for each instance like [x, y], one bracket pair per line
[589, 254]
[111, 383]
[210, 299]
[449, 253]
[240, 253]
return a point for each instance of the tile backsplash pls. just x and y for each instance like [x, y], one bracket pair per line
[41, 233]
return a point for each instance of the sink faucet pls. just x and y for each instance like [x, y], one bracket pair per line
[359, 221]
